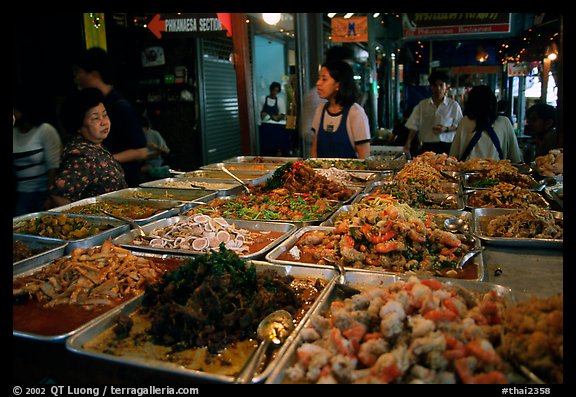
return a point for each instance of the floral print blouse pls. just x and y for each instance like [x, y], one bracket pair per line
[87, 170]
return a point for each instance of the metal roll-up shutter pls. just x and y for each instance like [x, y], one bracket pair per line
[219, 116]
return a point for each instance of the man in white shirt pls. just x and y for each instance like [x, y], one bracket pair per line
[435, 119]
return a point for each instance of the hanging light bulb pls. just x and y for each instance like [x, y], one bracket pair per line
[552, 51]
[481, 54]
[271, 18]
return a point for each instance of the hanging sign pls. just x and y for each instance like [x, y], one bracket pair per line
[519, 69]
[350, 30]
[192, 25]
[428, 24]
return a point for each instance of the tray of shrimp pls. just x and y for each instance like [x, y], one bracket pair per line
[390, 238]
[403, 329]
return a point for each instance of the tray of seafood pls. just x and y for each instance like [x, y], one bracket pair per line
[477, 180]
[529, 228]
[29, 251]
[299, 209]
[56, 298]
[242, 167]
[197, 234]
[148, 193]
[262, 159]
[80, 231]
[139, 210]
[214, 347]
[326, 246]
[404, 330]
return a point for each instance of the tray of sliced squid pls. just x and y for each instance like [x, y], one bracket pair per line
[197, 234]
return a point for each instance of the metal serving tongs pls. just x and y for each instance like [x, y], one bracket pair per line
[244, 185]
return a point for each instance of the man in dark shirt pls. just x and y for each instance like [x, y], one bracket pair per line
[126, 141]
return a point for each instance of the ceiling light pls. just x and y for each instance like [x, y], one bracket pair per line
[348, 15]
[271, 18]
[331, 14]
[376, 15]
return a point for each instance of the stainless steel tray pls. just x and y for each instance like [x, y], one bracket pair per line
[77, 341]
[363, 280]
[479, 219]
[126, 239]
[224, 187]
[168, 207]
[262, 159]
[287, 244]
[449, 201]
[242, 167]
[445, 187]
[470, 193]
[55, 248]
[349, 164]
[217, 174]
[555, 194]
[152, 194]
[537, 186]
[118, 227]
[297, 223]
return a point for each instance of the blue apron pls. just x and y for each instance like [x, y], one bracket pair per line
[271, 110]
[335, 143]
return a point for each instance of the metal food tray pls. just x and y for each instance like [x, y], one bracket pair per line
[297, 223]
[330, 162]
[169, 207]
[242, 167]
[554, 193]
[445, 187]
[370, 177]
[127, 238]
[287, 244]
[472, 192]
[232, 187]
[152, 194]
[28, 270]
[76, 342]
[262, 159]
[55, 249]
[118, 228]
[453, 201]
[538, 186]
[217, 174]
[363, 280]
[480, 229]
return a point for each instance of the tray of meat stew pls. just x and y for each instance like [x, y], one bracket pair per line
[204, 328]
[55, 299]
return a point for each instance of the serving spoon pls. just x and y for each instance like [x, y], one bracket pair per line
[136, 226]
[237, 179]
[273, 329]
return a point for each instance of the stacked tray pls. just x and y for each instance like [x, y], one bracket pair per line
[163, 208]
[285, 229]
[80, 340]
[114, 228]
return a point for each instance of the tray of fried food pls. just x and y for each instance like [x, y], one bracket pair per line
[200, 321]
[505, 195]
[403, 329]
[56, 298]
[551, 164]
[533, 337]
[526, 227]
[383, 236]
[439, 161]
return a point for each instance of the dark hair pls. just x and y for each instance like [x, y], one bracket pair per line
[96, 59]
[438, 75]
[481, 106]
[275, 84]
[342, 73]
[76, 105]
[34, 105]
[543, 111]
[339, 53]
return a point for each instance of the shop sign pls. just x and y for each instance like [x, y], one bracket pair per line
[519, 68]
[350, 30]
[191, 25]
[428, 24]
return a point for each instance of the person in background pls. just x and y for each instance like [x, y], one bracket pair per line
[273, 107]
[88, 169]
[341, 127]
[434, 119]
[483, 133]
[93, 69]
[157, 149]
[36, 150]
[311, 99]
[541, 125]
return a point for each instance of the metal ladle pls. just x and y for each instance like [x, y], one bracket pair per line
[237, 179]
[454, 224]
[273, 329]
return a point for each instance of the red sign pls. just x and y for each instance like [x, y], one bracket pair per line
[191, 24]
[454, 23]
[350, 30]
